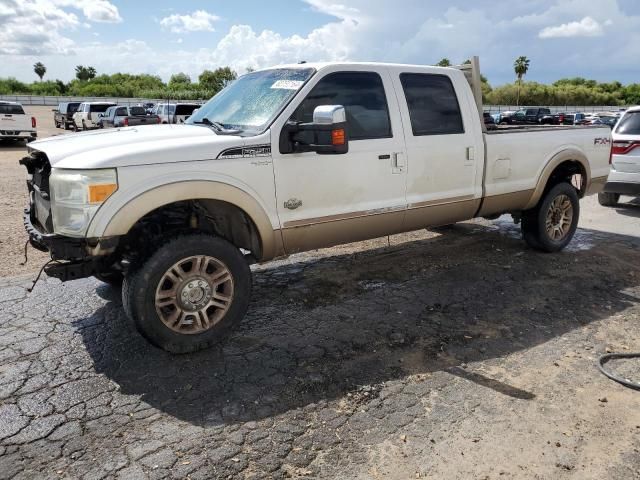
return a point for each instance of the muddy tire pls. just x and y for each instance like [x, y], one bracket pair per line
[608, 199]
[189, 294]
[550, 225]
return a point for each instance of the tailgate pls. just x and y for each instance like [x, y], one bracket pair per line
[15, 122]
[142, 120]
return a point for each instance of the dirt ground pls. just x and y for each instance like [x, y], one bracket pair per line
[13, 199]
[449, 354]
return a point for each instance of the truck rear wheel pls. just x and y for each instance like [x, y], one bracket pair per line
[608, 199]
[551, 224]
[189, 294]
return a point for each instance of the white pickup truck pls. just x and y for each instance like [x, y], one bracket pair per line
[289, 159]
[15, 124]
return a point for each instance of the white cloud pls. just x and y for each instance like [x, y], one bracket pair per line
[38, 27]
[587, 27]
[99, 11]
[197, 21]
[407, 31]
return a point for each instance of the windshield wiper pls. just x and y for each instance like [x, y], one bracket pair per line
[219, 127]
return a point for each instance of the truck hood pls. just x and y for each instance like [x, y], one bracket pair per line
[140, 145]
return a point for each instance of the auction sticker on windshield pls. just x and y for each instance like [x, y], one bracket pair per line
[288, 84]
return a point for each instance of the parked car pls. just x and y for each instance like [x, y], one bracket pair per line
[579, 119]
[149, 106]
[86, 116]
[15, 124]
[281, 162]
[624, 178]
[529, 116]
[553, 119]
[175, 112]
[606, 119]
[63, 115]
[489, 121]
[506, 117]
[123, 116]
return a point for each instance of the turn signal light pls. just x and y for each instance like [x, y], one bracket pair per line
[100, 192]
[338, 136]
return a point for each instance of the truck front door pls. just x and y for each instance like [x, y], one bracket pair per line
[331, 199]
[444, 148]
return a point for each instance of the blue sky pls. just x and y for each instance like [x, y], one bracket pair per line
[597, 39]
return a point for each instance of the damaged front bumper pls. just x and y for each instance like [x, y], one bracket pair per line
[73, 257]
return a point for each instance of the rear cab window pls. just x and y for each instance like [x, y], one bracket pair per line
[433, 104]
[99, 108]
[363, 96]
[11, 109]
[185, 109]
[629, 124]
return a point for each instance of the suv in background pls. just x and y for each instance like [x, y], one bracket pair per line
[175, 112]
[87, 115]
[624, 178]
[63, 115]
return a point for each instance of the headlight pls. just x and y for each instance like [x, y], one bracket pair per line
[76, 195]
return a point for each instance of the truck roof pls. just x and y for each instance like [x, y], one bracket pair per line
[321, 65]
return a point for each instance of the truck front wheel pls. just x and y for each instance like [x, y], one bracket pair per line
[551, 224]
[189, 294]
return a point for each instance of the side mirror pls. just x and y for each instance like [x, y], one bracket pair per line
[327, 134]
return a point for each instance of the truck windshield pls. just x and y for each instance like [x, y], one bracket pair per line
[252, 102]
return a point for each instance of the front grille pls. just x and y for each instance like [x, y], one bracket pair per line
[39, 170]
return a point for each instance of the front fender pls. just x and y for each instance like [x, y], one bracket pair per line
[117, 218]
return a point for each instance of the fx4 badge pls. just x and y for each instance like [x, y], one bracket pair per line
[292, 203]
[602, 141]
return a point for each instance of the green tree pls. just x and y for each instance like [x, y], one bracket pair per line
[39, 69]
[444, 63]
[179, 81]
[521, 67]
[85, 73]
[217, 80]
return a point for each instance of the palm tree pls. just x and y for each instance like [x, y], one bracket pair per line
[445, 62]
[521, 67]
[40, 69]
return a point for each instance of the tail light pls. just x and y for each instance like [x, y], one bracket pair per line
[561, 118]
[126, 121]
[159, 120]
[33, 122]
[622, 147]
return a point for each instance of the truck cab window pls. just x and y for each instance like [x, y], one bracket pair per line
[361, 93]
[433, 104]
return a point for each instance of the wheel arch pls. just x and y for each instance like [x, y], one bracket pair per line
[563, 164]
[207, 191]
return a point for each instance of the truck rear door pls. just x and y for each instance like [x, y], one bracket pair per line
[326, 200]
[444, 144]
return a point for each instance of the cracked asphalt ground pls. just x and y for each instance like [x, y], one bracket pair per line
[460, 354]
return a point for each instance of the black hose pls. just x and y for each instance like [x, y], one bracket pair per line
[624, 381]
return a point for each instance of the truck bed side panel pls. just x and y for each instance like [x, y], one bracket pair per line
[515, 160]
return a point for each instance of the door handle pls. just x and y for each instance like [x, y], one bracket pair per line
[398, 160]
[384, 157]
